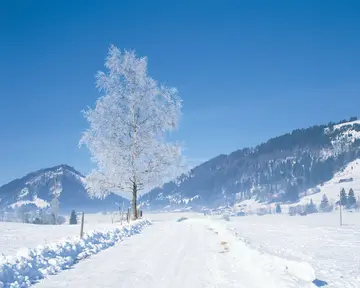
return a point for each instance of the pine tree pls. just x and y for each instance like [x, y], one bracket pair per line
[310, 208]
[324, 205]
[343, 197]
[351, 201]
[73, 218]
[278, 208]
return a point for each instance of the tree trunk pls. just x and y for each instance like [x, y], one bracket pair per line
[134, 206]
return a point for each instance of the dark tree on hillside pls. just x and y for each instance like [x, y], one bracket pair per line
[351, 201]
[343, 197]
[354, 118]
[278, 208]
[73, 218]
[292, 193]
[311, 208]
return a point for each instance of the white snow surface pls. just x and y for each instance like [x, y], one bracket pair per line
[24, 192]
[196, 252]
[51, 176]
[38, 202]
[14, 236]
[338, 126]
[316, 239]
[32, 264]
[193, 250]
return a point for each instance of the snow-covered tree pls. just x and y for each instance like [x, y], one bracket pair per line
[129, 126]
[325, 206]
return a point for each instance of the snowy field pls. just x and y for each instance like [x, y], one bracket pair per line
[333, 251]
[198, 251]
[14, 236]
[29, 265]
[194, 252]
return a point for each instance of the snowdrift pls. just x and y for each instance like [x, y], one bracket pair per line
[273, 271]
[31, 265]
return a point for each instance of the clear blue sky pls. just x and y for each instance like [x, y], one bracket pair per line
[247, 70]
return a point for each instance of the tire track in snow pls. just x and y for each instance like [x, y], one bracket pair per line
[178, 254]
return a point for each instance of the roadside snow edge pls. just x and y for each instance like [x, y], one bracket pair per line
[31, 265]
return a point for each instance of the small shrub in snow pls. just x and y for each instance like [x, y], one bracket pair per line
[182, 219]
[310, 208]
[292, 211]
[278, 208]
[226, 217]
[73, 218]
[300, 209]
[325, 206]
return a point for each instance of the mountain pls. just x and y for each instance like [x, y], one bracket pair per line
[40, 187]
[279, 170]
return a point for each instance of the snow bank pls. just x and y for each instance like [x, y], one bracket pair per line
[316, 239]
[30, 265]
[275, 271]
[301, 270]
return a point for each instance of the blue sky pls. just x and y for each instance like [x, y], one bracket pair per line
[246, 70]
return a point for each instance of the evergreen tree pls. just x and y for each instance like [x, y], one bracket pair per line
[325, 205]
[278, 208]
[73, 218]
[343, 197]
[351, 201]
[311, 208]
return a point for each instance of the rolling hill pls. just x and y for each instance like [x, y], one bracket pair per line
[64, 182]
[279, 170]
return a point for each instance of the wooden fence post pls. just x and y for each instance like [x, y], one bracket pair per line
[122, 214]
[82, 225]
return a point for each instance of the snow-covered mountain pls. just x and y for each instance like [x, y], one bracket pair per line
[347, 178]
[64, 182]
[279, 170]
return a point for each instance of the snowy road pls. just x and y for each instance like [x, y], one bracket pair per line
[183, 254]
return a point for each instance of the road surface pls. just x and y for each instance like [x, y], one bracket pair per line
[191, 253]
